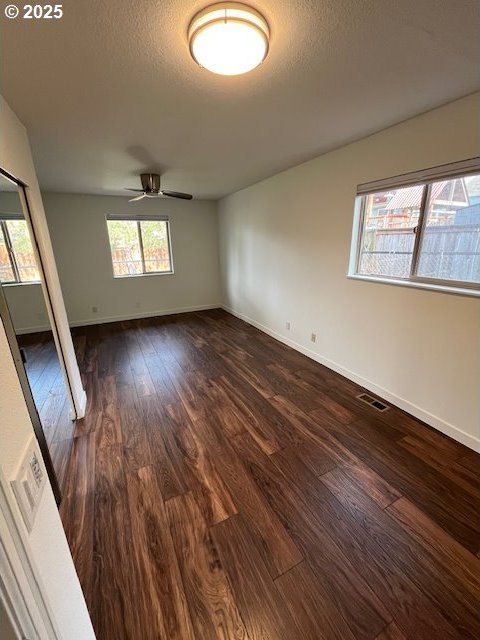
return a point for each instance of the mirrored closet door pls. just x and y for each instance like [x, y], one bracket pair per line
[29, 330]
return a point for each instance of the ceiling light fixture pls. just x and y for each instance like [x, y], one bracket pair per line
[228, 38]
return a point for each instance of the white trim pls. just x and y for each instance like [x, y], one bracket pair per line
[31, 608]
[143, 275]
[80, 412]
[24, 330]
[135, 217]
[144, 314]
[120, 318]
[417, 284]
[21, 284]
[427, 417]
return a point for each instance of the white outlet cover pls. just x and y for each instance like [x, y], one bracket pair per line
[29, 481]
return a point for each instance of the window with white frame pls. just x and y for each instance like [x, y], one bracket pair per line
[422, 228]
[18, 264]
[139, 245]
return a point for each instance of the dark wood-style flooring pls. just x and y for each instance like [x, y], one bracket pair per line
[223, 486]
[47, 385]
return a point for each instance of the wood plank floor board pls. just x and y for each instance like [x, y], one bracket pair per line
[367, 616]
[77, 507]
[133, 435]
[223, 485]
[445, 502]
[205, 482]
[311, 428]
[449, 554]
[251, 412]
[299, 391]
[416, 561]
[60, 454]
[453, 472]
[115, 577]
[393, 588]
[206, 585]
[162, 382]
[379, 490]
[159, 589]
[258, 600]
[310, 606]
[392, 632]
[278, 551]
[470, 461]
[268, 426]
[55, 419]
[165, 437]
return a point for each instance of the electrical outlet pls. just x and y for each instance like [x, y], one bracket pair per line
[313, 337]
[287, 326]
[94, 309]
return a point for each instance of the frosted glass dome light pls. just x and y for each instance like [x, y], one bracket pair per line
[228, 38]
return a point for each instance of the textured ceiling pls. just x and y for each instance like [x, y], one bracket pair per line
[110, 89]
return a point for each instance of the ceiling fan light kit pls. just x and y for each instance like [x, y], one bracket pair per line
[228, 38]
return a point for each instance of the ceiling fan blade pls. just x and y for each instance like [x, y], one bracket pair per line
[135, 190]
[152, 195]
[176, 194]
[138, 198]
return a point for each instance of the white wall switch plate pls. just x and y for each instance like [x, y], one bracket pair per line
[29, 481]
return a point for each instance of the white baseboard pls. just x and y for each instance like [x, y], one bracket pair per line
[427, 417]
[128, 316]
[24, 330]
[144, 314]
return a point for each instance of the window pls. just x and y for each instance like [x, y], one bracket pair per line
[140, 245]
[17, 258]
[425, 231]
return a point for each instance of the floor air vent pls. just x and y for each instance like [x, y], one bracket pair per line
[376, 404]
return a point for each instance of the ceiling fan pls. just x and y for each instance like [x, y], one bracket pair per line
[151, 189]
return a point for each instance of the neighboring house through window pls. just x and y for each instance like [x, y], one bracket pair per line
[423, 233]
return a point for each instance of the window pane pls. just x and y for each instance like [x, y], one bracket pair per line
[23, 250]
[125, 247]
[388, 232]
[450, 248]
[6, 272]
[155, 246]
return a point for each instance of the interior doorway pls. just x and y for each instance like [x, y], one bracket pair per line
[24, 307]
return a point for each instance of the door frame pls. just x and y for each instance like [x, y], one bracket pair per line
[21, 588]
[14, 348]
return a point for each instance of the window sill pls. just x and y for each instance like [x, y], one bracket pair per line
[21, 284]
[475, 293]
[144, 275]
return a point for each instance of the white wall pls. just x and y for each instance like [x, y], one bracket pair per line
[80, 242]
[79, 235]
[284, 248]
[27, 307]
[46, 543]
